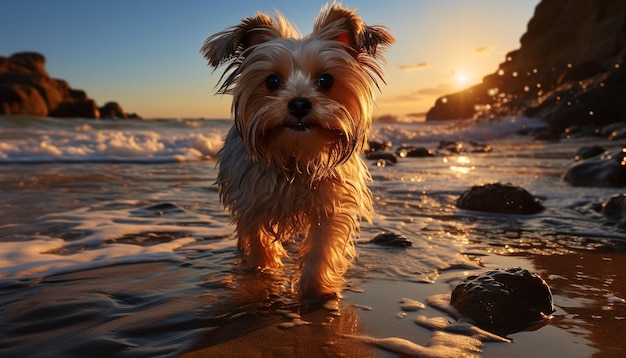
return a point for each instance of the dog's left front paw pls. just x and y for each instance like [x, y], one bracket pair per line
[313, 290]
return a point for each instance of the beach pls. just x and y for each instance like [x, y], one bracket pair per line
[113, 242]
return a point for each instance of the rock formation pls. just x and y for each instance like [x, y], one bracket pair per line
[508, 297]
[27, 89]
[499, 198]
[569, 70]
[603, 170]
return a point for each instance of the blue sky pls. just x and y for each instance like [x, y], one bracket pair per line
[144, 54]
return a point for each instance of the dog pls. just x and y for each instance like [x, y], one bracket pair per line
[291, 163]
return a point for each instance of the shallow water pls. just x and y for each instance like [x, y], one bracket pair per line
[113, 242]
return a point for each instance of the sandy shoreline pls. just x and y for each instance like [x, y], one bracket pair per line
[139, 309]
[137, 259]
[261, 336]
[376, 312]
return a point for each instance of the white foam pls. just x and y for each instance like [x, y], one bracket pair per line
[433, 132]
[100, 243]
[48, 140]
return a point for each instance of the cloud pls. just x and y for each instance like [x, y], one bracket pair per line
[410, 67]
[420, 94]
[482, 50]
[440, 89]
[412, 97]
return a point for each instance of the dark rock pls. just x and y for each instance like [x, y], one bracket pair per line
[27, 89]
[420, 152]
[403, 150]
[32, 61]
[499, 198]
[458, 105]
[376, 146]
[47, 88]
[599, 100]
[451, 146]
[606, 170]
[478, 147]
[77, 95]
[577, 131]
[158, 210]
[612, 129]
[503, 297]
[542, 133]
[77, 109]
[588, 152]
[614, 210]
[388, 156]
[581, 71]
[414, 152]
[568, 70]
[112, 110]
[615, 131]
[618, 135]
[21, 100]
[391, 239]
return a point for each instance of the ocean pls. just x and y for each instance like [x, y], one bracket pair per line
[113, 242]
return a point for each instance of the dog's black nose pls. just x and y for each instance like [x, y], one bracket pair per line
[299, 107]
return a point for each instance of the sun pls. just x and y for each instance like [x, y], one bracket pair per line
[461, 79]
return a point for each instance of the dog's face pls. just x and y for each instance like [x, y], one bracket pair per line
[303, 104]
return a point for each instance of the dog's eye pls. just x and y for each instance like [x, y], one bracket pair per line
[325, 81]
[273, 82]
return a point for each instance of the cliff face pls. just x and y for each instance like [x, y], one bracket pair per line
[569, 69]
[27, 89]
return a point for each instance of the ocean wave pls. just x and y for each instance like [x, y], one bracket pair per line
[43, 140]
[52, 140]
[98, 237]
[426, 133]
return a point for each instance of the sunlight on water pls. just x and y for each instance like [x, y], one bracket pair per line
[463, 167]
[114, 233]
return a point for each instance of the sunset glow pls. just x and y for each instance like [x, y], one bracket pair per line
[151, 65]
[461, 79]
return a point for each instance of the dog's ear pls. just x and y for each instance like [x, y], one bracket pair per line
[235, 43]
[337, 23]
[232, 43]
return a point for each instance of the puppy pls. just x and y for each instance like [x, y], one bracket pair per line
[291, 163]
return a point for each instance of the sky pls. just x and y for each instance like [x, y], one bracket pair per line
[145, 54]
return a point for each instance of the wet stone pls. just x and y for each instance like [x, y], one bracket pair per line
[478, 147]
[414, 152]
[158, 210]
[376, 146]
[499, 198]
[614, 210]
[503, 297]
[614, 131]
[588, 152]
[392, 240]
[387, 156]
[451, 146]
[606, 170]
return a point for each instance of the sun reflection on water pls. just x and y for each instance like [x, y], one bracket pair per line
[460, 164]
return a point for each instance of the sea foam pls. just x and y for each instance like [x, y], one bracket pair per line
[105, 237]
[50, 140]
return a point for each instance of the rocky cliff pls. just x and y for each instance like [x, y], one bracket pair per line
[569, 69]
[27, 89]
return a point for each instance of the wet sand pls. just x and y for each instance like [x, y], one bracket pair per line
[186, 308]
[584, 287]
[137, 258]
[173, 309]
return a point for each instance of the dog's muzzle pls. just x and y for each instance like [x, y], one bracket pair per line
[299, 108]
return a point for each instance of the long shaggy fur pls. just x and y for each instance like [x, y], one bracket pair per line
[280, 175]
